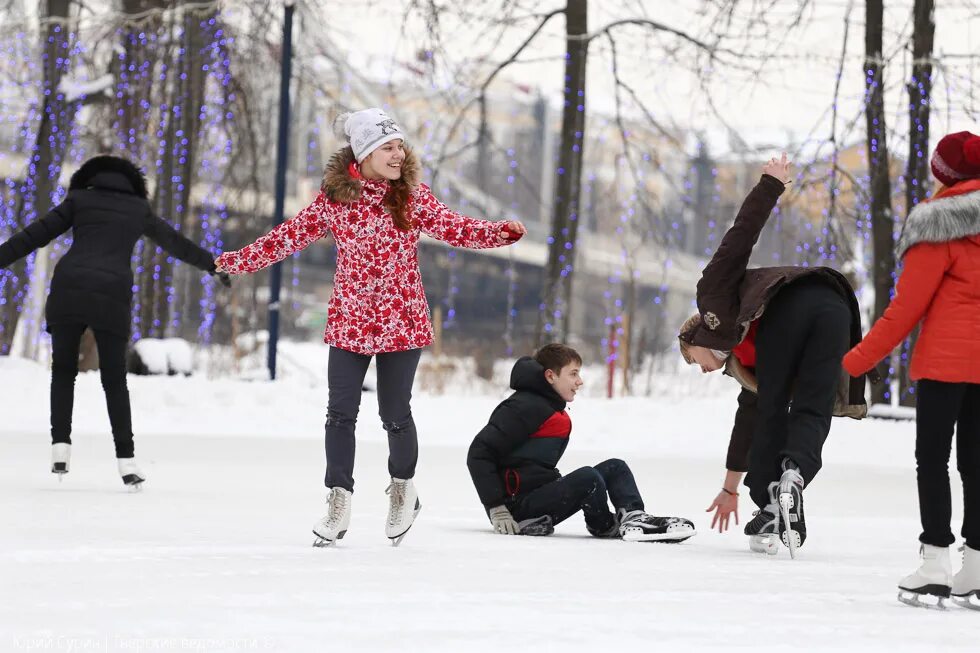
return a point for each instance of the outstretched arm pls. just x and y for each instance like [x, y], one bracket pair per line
[178, 245]
[36, 235]
[442, 223]
[294, 235]
[925, 267]
[717, 290]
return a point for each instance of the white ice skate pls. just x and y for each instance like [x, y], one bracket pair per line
[929, 585]
[966, 583]
[403, 507]
[131, 474]
[60, 459]
[334, 525]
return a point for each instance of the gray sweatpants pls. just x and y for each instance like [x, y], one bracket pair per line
[345, 378]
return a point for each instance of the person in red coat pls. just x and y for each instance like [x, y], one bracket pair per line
[940, 288]
[373, 205]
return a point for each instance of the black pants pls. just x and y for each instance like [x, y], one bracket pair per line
[585, 489]
[345, 378]
[802, 337]
[65, 341]
[939, 407]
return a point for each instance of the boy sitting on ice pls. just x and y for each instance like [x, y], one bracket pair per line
[512, 462]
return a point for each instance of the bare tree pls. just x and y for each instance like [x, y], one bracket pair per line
[882, 220]
[46, 156]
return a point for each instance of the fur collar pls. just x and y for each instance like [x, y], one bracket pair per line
[339, 186]
[106, 163]
[952, 215]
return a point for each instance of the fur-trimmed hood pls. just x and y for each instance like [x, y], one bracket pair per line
[111, 172]
[338, 184]
[951, 215]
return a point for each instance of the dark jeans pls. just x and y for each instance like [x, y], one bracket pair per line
[585, 489]
[939, 407]
[345, 378]
[65, 341]
[802, 337]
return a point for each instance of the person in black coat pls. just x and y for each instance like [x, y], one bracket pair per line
[513, 462]
[107, 210]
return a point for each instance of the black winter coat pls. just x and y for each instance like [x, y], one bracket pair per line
[107, 210]
[519, 448]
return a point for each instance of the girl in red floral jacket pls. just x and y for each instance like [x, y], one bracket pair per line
[940, 287]
[372, 203]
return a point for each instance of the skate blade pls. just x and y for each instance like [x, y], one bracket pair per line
[321, 542]
[396, 540]
[767, 544]
[790, 537]
[917, 600]
[969, 601]
[675, 536]
[134, 488]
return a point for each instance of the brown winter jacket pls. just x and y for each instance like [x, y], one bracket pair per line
[730, 297]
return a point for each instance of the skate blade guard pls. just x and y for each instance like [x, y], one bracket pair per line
[930, 597]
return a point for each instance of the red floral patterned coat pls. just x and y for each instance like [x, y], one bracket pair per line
[378, 302]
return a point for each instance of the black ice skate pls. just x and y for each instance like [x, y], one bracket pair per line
[793, 526]
[638, 526]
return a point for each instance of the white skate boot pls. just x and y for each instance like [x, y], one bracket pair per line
[131, 474]
[966, 583]
[334, 525]
[403, 507]
[60, 459]
[929, 585]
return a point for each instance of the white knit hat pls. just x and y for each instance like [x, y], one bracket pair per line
[366, 130]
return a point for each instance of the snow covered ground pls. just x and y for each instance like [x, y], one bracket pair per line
[215, 555]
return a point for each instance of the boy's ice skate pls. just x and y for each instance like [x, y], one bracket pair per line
[60, 459]
[131, 475]
[966, 583]
[929, 585]
[638, 526]
[536, 526]
[334, 525]
[403, 507]
[793, 531]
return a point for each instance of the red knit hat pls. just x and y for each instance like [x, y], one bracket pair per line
[957, 157]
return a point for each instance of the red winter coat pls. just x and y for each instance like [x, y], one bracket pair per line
[378, 303]
[940, 285]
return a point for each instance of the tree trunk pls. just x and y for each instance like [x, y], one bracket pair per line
[45, 160]
[553, 321]
[882, 220]
[917, 170]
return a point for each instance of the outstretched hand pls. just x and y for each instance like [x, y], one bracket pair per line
[511, 233]
[724, 505]
[778, 168]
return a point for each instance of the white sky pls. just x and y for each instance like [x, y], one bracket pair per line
[789, 100]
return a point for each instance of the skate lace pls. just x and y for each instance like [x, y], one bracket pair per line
[337, 507]
[397, 493]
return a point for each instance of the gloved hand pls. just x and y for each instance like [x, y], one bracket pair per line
[223, 278]
[503, 522]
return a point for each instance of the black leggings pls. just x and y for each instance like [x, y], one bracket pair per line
[345, 379]
[65, 341]
[939, 407]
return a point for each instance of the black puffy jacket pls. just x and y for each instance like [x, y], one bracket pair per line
[519, 448]
[107, 210]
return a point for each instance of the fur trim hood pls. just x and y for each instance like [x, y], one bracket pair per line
[86, 175]
[951, 215]
[339, 186]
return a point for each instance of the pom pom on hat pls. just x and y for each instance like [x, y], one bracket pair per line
[957, 157]
[340, 126]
